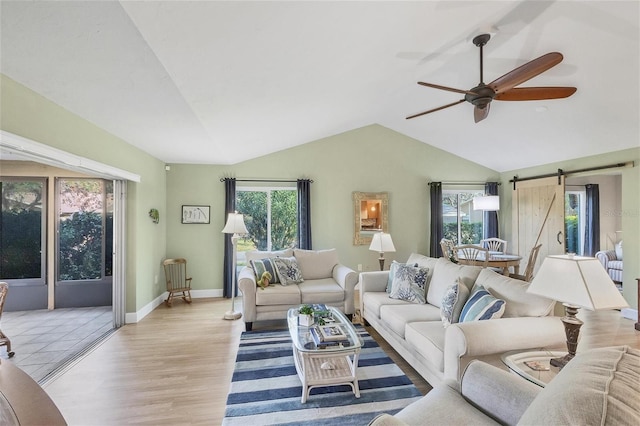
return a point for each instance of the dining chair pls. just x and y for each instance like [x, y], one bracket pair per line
[175, 271]
[448, 251]
[4, 340]
[473, 255]
[494, 244]
[531, 264]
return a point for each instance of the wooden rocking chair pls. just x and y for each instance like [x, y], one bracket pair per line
[175, 272]
[4, 340]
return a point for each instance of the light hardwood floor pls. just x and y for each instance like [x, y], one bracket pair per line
[174, 367]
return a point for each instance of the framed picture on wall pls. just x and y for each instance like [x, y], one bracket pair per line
[195, 214]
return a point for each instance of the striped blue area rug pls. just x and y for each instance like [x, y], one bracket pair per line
[266, 390]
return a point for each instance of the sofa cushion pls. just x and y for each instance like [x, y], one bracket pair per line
[315, 264]
[597, 387]
[445, 275]
[288, 271]
[397, 316]
[278, 295]
[256, 255]
[518, 303]
[482, 306]
[373, 300]
[409, 283]
[427, 339]
[452, 303]
[261, 266]
[324, 290]
[618, 249]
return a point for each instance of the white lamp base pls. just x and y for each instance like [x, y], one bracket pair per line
[232, 315]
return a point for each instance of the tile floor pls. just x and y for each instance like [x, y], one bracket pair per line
[44, 341]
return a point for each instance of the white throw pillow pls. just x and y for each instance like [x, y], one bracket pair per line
[288, 270]
[453, 302]
[618, 249]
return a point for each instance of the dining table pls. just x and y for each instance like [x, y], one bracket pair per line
[498, 260]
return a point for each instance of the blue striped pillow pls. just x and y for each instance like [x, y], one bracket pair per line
[262, 265]
[481, 305]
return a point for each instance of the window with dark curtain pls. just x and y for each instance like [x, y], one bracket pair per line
[592, 219]
[304, 214]
[491, 218]
[435, 196]
[229, 207]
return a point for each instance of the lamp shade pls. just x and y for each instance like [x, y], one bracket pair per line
[577, 280]
[490, 203]
[382, 243]
[235, 224]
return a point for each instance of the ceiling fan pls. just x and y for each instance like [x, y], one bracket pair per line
[504, 88]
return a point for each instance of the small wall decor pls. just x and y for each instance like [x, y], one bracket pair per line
[154, 214]
[195, 214]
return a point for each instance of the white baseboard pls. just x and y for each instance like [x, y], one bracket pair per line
[134, 317]
[630, 313]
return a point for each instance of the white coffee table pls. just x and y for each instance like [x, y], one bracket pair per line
[325, 366]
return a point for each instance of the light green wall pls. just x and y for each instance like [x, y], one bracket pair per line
[369, 159]
[630, 211]
[25, 113]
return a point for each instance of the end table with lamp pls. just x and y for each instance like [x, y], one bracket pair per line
[576, 281]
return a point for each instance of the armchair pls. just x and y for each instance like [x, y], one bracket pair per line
[612, 262]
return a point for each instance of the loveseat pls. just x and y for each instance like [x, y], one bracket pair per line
[417, 331]
[317, 277]
[597, 387]
[612, 262]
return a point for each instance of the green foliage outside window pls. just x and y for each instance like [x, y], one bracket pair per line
[81, 247]
[471, 233]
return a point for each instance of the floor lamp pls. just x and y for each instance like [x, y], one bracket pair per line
[235, 225]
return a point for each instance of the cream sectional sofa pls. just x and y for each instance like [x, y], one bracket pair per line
[417, 333]
[325, 281]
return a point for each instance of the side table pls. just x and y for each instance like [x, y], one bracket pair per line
[533, 365]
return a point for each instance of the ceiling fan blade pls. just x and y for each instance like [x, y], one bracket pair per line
[480, 114]
[525, 72]
[450, 89]
[435, 109]
[535, 93]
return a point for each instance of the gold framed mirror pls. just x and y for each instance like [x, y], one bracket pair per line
[370, 215]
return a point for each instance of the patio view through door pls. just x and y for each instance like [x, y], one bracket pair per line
[538, 218]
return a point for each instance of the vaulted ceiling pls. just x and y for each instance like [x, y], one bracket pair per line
[221, 82]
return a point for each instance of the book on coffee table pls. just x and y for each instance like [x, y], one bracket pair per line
[331, 333]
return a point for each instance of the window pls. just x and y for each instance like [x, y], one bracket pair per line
[271, 217]
[461, 224]
[85, 229]
[22, 229]
[574, 220]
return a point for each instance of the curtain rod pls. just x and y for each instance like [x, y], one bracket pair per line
[462, 183]
[561, 172]
[266, 180]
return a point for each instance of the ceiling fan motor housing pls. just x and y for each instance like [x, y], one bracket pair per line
[483, 96]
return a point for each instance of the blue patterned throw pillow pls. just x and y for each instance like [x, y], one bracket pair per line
[288, 270]
[410, 284]
[482, 306]
[265, 265]
[453, 302]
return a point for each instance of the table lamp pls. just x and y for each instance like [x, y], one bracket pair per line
[235, 225]
[576, 281]
[381, 242]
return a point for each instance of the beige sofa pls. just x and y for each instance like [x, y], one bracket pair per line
[597, 387]
[417, 333]
[325, 281]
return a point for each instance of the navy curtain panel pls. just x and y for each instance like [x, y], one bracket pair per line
[229, 207]
[592, 226]
[491, 218]
[437, 232]
[304, 214]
